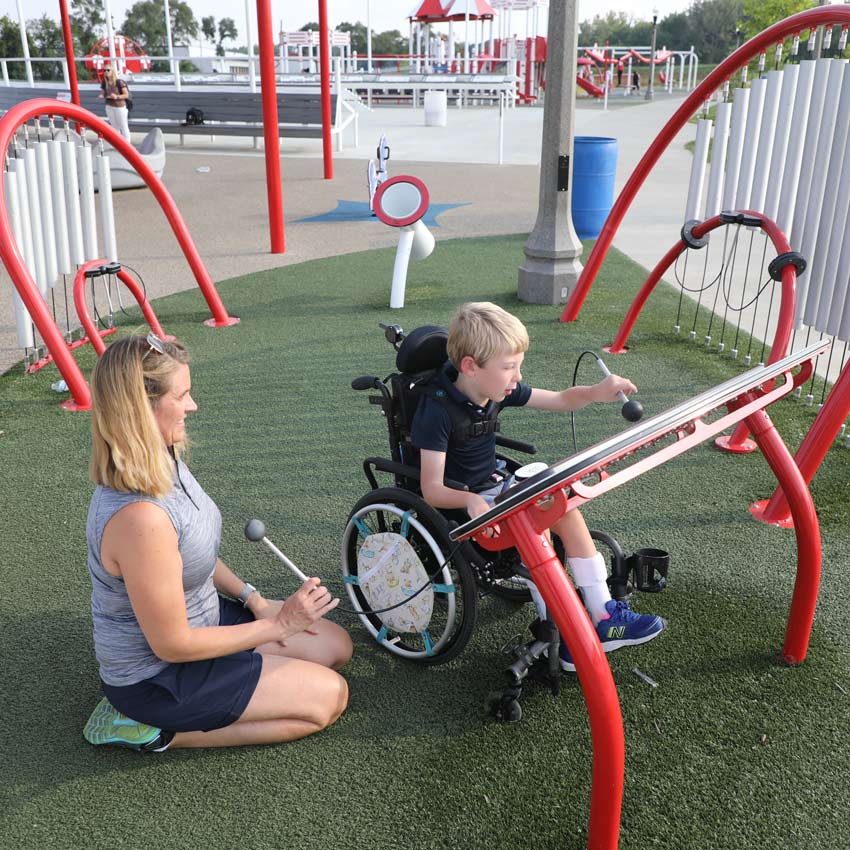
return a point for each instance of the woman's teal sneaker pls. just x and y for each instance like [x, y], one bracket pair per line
[108, 726]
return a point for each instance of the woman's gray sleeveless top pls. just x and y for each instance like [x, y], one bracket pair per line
[122, 652]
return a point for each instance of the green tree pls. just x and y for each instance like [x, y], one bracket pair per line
[87, 18]
[358, 36]
[44, 36]
[715, 22]
[226, 30]
[145, 22]
[208, 28]
[675, 31]
[10, 45]
[758, 15]
[391, 41]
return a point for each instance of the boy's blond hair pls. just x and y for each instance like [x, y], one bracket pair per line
[128, 453]
[483, 330]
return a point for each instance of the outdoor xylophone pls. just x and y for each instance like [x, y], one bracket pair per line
[522, 516]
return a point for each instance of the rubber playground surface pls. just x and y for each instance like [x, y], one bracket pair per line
[733, 749]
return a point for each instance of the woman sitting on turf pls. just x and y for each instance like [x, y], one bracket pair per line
[190, 666]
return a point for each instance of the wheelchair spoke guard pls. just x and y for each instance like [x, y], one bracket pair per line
[396, 555]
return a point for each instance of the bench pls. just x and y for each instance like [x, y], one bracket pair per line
[226, 113]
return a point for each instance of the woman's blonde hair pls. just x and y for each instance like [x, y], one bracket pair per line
[483, 330]
[128, 452]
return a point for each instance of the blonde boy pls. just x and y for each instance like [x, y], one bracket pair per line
[486, 348]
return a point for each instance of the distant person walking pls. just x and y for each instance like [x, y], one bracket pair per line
[117, 94]
[635, 81]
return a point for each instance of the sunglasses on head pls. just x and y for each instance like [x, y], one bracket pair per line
[155, 343]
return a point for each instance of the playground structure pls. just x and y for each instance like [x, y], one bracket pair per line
[761, 170]
[49, 230]
[130, 58]
[376, 170]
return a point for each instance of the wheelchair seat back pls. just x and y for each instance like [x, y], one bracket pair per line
[420, 355]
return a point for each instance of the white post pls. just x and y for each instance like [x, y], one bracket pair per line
[369, 36]
[24, 43]
[6, 81]
[171, 61]
[110, 38]
[249, 35]
[502, 96]
[466, 42]
[402, 259]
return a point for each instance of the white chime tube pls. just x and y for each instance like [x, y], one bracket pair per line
[718, 159]
[45, 202]
[72, 201]
[23, 324]
[87, 208]
[107, 214]
[60, 211]
[698, 169]
[39, 270]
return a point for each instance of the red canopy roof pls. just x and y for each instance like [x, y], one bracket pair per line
[428, 10]
[456, 10]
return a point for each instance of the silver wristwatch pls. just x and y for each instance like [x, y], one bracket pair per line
[246, 592]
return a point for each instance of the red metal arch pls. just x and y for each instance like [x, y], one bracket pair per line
[823, 16]
[14, 262]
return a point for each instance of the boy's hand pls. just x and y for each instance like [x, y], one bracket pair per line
[606, 390]
[476, 505]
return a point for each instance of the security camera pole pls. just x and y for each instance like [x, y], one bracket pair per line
[552, 252]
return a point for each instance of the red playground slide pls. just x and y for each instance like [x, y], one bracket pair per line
[590, 88]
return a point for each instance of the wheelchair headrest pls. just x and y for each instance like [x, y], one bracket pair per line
[422, 349]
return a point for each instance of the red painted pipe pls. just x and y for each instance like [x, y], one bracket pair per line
[597, 683]
[807, 529]
[325, 69]
[69, 51]
[271, 137]
[821, 16]
[83, 310]
[812, 450]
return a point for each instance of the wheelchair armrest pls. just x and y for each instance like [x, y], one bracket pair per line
[383, 464]
[517, 445]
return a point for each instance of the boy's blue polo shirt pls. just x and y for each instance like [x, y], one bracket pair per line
[473, 462]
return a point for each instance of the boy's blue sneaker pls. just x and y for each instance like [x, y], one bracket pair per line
[624, 627]
[108, 726]
[566, 659]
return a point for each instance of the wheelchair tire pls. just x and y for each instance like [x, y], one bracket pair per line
[400, 512]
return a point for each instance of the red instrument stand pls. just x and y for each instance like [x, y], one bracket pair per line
[522, 519]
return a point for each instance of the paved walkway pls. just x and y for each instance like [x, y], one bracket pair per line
[220, 191]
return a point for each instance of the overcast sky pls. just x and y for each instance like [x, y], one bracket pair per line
[385, 14]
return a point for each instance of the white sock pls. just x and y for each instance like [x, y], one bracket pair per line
[590, 576]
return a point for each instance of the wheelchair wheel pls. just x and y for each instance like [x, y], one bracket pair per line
[393, 545]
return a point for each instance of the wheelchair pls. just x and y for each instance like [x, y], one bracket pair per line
[415, 590]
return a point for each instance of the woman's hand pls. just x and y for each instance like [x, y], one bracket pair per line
[309, 603]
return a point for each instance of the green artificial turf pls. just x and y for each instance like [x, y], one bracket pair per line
[732, 750]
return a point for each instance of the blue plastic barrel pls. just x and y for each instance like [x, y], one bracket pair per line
[594, 169]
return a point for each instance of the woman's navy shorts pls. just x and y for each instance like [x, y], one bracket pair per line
[195, 695]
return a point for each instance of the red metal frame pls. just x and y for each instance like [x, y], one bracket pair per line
[69, 51]
[325, 75]
[738, 441]
[271, 135]
[525, 528]
[810, 18]
[14, 262]
[89, 326]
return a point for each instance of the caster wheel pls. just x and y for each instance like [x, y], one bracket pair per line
[504, 708]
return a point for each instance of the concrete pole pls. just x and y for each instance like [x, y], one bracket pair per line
[552, 252]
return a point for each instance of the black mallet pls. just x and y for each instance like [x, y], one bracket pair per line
[631, 410]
